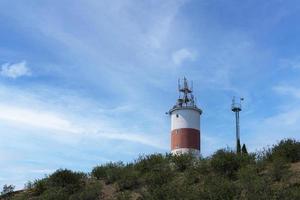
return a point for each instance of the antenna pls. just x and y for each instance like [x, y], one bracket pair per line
[237, 108]
[185, 93]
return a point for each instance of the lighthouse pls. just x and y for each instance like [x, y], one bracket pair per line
[185, 122]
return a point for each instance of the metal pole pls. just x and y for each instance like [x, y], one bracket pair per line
[237, 119]
[236, 130]
[238, 124]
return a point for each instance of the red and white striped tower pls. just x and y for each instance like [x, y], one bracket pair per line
[185, 122]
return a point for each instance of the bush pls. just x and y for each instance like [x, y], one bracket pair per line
[291, 192]
[225, 162]
[109, 172]
[174, 189]
[224, 175]
[251, 185]
[29, 185]
[91, 191]
[65, 177]
[288, 150]
[7, 189]
[54, 193]
[129, 178]
[279, 169]
[39, 186]
[68, 179]
[183, 162]
[153, 162]
[218, 187]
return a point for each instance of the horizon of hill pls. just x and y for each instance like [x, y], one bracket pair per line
[273, 173]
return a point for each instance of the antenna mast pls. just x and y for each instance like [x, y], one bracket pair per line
[186, 98]
[236, 107]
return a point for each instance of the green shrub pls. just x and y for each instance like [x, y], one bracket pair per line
[183, 162]
[252, 185]
[217, 187]
[64, 178]
[279, 169]
[39, 186]
[287, 149]
[23, 196]
[7, 189]
[129, 178]
[153, 162]
[225, 162]
[224, 175]
[109, 172]
[91, 191]
[99, 172]
[54, 193]
[291, 192]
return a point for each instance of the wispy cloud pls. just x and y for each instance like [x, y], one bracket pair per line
[287, 90]
[183, 55]
[138, 138]
[15, 70]
[33, 112]
[35, 118]
[283, 122]
[274, 128]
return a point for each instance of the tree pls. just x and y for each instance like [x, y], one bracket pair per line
[244, 149]
[225, 162]
[7, 189]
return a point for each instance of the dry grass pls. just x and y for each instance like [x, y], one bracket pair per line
[295, 168]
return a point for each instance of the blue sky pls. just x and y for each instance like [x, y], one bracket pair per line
[86, 82]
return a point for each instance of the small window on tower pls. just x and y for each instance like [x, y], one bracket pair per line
[177, 146]
[177, 115]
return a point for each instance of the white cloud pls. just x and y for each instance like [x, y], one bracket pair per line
[274, 128]
[139, 138]
[36, 118]
[266, 131]
[182, 55]
[53, 121]
[287, 90]
[15, 70]
[41, 171]
[30, 110]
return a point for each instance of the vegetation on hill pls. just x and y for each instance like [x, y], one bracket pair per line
[270, 174]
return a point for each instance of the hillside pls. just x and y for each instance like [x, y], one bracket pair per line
[271, 174]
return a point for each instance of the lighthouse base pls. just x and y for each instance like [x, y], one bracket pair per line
[179, 151]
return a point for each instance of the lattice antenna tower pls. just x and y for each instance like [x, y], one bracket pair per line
[186, 97]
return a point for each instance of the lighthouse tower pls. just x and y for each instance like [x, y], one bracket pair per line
[185, 122]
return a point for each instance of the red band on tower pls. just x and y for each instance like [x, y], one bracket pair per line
[185, 138]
